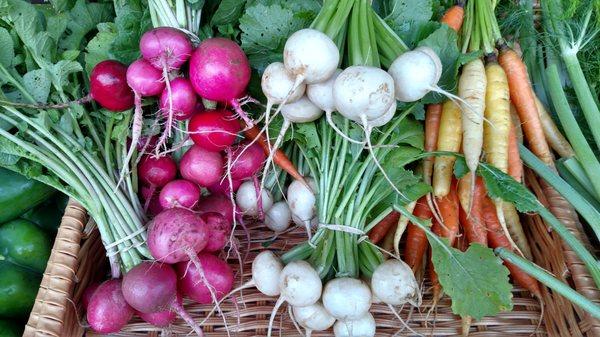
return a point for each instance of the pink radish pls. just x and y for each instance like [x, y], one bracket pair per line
[219, 203]
[180, 103]
[108, 86]
[246, 158]
[214, 130]
[165, 47]
[203, 167]
[87, 294]
[161, 319]
[223, 187]
[179, 193]
[176, 234]
[206, 281]
[157, 172]
[219, 71]
[219, 229]
[108, 312]
[151, 201]
[151, 288]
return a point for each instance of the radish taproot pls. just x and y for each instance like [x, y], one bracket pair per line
[176, 235]
[213, 130]
[346, 298]
[219, 229]
[161, 319]
[246, 160]
[219, 203]
[179, 102]
[203, 167]
[108, 86]
[179, 193]
[205, 279]
[166, 48]
[223, 186]
[157, 171]
[108, 312]
[152, 288]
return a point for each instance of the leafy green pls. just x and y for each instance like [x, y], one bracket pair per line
[408, 18]
[131, 24]
[83, 18]
[228, 12]
[501, 185]
[98, 48]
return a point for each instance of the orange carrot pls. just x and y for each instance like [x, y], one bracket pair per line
[416, 240]
[472, 220]
[382, 228]
[497, 238]
[515, 165]
[522, 96]
[280, 158]
[432, 126]
[454, 16]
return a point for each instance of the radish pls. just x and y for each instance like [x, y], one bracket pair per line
[278, 217]
[313, 317]
[176, 235]
[152, 288]
[108, 86]
[247, 158]
[150, 195]
[219, 71]
[219, 203]
[144, 79]
[222, 186]
[394, 283]
[347, 298]
[299, 285]
[180, 102]
[213, 130]
[248, 201]
[205, 280]
[303, 202]
[157, 171]
[161, 319]
[363, 327]
[165, 47]
[203, 167]
[415, 74]
[108, 312]
[219, 230]
[386, 117]
[179, 193]
[311, 56]
[87, 294]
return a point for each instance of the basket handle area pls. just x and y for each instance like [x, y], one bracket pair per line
[56, 289]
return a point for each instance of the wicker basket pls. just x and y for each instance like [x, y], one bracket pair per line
[78, 258]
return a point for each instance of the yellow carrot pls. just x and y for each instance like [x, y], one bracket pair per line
[555, 138]
[449, 139]
[497, 114]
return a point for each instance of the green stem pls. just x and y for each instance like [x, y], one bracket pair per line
[550, 281]
[575, 169]
[582, 149]
[581, 186]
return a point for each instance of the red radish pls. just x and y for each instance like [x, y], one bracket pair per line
[108, 312]
[87, 294]
[161, 319]
[180, 102]
[108, 86]
[176, 234]
[151, 202]
[219, 229]
[208, 284]
[219, 71]
[246, 160]
[219, 203]
[146, 143]
[165, 47]
[144, 79]
[151, 288]
[214, 130]
[179, 193]
[157, 172]
[203, 167]
[223, 187]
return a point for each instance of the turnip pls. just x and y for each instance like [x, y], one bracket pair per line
[415, 74]
[152, 288]
[299, 285]
[313, 317]
[108, 312]
[179, 193]
[363, 327]
[219, 71]
[203, 167]
[394, 283]
[219, 230]
[311, 56]
[346, 298]
[161, 319]
[278, 217]
[108, 86]
[180, 103]
[247, 199]
[176, 235]
[219, 203]
[385, 118]
[213, 130]
[303, 202]
[246, 160]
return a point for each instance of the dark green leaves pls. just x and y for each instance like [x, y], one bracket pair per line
[130, 25]
[408, 17]
[501, 185]
[83, 18]
[228, 12]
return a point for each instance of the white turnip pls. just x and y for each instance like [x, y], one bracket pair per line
[346, 298]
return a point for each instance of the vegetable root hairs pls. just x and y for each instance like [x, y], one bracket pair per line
[258, 187]
[234, 246]
[404, 323]
[136, 133]
[328, 115]
[278, 304]
[162, 141]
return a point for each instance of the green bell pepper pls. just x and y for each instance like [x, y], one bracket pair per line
[19, 194]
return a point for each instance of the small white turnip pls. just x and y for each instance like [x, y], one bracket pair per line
[415, 74]
[247, 200]
[278, 217]
[361, 327]
[394, 283]
[313, 317]
[347, 298]
[311, 56]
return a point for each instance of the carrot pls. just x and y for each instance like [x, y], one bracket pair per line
[513, 223]
[279, 158]
[515, 165]
[522, 96]
[471, 219]
[416, 240]
[432, 127]
[497, 113]
[449, 138]
[382, 228]
[454, 16]
[516, 122]
[471, 88]
[402, 224]
[497, 239]
[555, 138]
